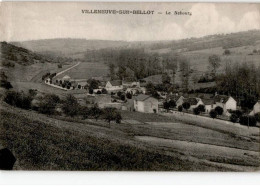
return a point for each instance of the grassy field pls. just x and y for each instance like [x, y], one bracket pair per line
[43, 146]
[156, 143]
[87, 70]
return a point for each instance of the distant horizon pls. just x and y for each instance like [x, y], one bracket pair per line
[166, 40]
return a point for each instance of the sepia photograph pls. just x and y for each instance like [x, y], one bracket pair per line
[129, 86]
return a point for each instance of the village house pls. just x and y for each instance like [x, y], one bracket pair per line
[146, 104]
[209, 104]
[128, 105]
[66, 78]
[114, 85]
[194, 102]
[225, 102]
[179, 101]
[256, 109]
[130, 84]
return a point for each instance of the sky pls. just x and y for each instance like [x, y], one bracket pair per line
[20, 21]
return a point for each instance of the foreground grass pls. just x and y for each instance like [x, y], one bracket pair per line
[40, 146]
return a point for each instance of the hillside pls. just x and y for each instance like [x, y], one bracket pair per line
[12, 55]
[73, 48]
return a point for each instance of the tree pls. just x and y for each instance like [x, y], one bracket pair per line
[70, 106]
[90, 91]
[219, 110]
[214, 63]
[180, 108]
[213, 114]
[128, 95]
[227, 52]
[257, 116]
[110, 114]
[196, 111]
[104, 91]
[48, 104]
[247, 120]
[201, 108]
[59, 66]
[95, 112]
[234, 118]
[166, 105]
[172, 103]
[98, 92]
[119, 93]
[122, 97]
[84, 112]
[166, 79]
[186, 105]
[93, 84]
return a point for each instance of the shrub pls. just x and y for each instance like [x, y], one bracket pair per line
[219, 110]
[84, 112]
[213, 114]
[110, 114]
[180, 108]
[5, 84]
[247, 120]
[234, 118]
[196, 111]
[98, 92]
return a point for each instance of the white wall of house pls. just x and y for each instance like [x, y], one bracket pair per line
[110, 87]
[146, 106]
[231, 104]
[256, 109]
[179, 102]
[195, 106]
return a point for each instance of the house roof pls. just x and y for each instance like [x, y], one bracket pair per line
[192, 101]
[221, 98]
[66, 77]
[142, 97]
[208, 101]
[155, 79]
[116, 82]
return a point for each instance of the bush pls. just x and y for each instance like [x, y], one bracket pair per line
[5, 84]
[219, 110]
[98, 92]
[213, 114]
[95, 112]
[18, 99]
[180, 108]
[234, 118]
[196, 111]
[247, 120]
[84, 112]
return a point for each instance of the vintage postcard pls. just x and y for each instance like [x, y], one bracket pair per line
[95, 86]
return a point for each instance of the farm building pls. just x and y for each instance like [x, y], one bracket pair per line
[145, 103]
[225, 102]
[114, 85]
[256, 108]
